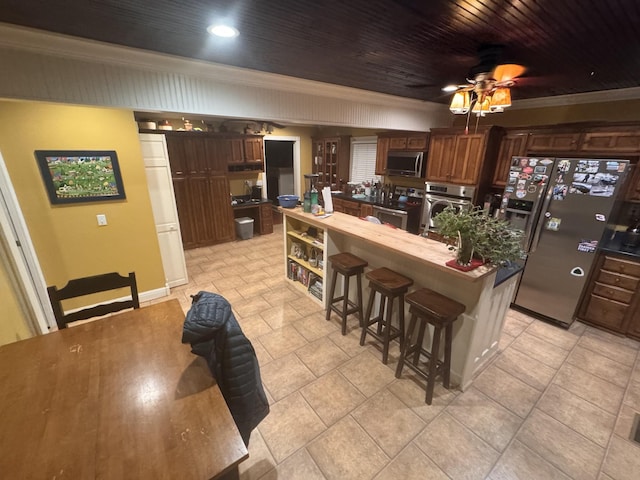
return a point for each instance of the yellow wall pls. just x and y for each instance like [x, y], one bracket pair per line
[67, 239]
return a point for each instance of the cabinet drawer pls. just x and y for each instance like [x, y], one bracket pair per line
[606, 313]
[613, 293]
[617, 280]
[621, 266]
[416, 143]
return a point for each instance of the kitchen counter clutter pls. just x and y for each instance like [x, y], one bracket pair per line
[476, 334]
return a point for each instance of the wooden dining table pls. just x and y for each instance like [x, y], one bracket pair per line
[117, 398]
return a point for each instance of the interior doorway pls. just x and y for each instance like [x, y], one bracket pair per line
[282, 166]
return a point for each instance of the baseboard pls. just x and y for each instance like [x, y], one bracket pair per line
[153, 294]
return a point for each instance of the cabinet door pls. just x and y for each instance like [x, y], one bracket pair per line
[382, 151]
[338, 205]
[201, 213]
[607, 313]
[553, 142]
[512, 145]
[253, 150]
[183, 206]
[468, 158]
[417, 143]
[177, 156]
[441, 155]
[611, 142]
[220, 213]
[266, 219]
[231, 150]
[216, 162]
[397, 143]
[633, 190]
[351, 208]
[366, 210]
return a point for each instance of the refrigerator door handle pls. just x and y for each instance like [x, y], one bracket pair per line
[542, 216]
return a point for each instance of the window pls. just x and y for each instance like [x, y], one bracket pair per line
[363, 159]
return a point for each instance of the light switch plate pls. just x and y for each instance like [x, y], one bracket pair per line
[102, 219]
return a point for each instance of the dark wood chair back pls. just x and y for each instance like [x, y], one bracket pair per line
[79, 287]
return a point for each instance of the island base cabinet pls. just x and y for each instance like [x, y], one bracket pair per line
[305, 264]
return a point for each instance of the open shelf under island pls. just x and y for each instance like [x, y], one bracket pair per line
[476, 333]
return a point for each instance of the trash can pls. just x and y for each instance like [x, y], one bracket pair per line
[244, 228]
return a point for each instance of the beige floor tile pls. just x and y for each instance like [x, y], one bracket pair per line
[332, 397]
[507, 390]
[281, 294]
[260, 460]
[600, 366]
[632, 397]
[623, 459]
[486, 418]
[513, 325]
[611, 349]
[261, 353]
[252, 290]
[306, 305]
[604, 394]
[346, 452]
[349, 343]
[390, 423]
[285, 375]
[554, 334]
[582, 416]
[282, 341]
[226, 283]
[561, 446]
[280, 316]
[525, 368]
[254, 306]
[611, 337]
[625, 421]
[254, 327]
[519, 462]
[321, 356]
[290, 425]
[539, 349]
[411, 390]
[314, 326]
[299, 465]
[411, 464]
[505, 341]
[367, 373]
[455, 449]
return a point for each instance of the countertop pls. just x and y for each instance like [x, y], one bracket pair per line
[373, 200]
[248, 203]
[613, 242]
[415, 247]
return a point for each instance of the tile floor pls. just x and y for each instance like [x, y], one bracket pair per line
[553, 404]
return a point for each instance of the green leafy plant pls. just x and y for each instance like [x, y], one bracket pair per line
[473, 233]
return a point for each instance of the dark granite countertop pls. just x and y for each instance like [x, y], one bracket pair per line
[373, 200]
[244, 201]
[505, 273]
[613, 242]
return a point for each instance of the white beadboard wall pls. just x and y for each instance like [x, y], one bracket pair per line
[46, 67]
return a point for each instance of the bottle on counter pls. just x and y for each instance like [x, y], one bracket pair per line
[306, 204]
[314, 196]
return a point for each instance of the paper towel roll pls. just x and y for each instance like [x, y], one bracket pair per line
[328, 201]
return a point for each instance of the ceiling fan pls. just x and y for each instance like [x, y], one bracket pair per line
[488, 83]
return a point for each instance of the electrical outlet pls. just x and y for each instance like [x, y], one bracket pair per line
[102, 219]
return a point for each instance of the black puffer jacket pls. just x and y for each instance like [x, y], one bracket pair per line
[214, 333]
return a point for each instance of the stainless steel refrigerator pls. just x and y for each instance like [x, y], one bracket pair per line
[562, 205]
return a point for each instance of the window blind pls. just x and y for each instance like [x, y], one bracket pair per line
[363, 159]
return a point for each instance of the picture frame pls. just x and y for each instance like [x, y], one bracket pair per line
[78, 176]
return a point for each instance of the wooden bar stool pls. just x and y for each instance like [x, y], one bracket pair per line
[347, 265]
[390, 285]
[427, 306]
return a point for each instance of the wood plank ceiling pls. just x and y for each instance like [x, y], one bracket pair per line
[409, 48]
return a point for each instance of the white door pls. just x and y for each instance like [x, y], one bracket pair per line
[163, 203]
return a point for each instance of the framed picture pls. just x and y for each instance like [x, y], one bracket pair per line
[77, 176]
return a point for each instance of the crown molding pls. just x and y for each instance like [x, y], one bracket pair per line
[578, 98]
[41, 42]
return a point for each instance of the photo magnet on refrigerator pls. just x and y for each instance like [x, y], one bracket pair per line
[588, 246]
[600, 217]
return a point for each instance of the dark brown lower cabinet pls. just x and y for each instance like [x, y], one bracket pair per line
[204, 210]
[612, 297]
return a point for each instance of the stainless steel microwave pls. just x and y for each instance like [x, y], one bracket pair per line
[406, 164]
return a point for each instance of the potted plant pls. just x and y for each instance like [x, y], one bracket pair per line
[473, 233]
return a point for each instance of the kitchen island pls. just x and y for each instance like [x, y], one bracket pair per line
[476, 333]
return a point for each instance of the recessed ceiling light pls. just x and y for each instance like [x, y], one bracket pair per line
[220, 30]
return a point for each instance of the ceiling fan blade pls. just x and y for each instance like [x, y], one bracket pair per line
[508, 71]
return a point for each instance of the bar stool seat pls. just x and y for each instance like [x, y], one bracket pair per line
[429, 307]
[347, 265]
[390, 285]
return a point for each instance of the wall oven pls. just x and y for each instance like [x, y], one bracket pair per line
[438, 196]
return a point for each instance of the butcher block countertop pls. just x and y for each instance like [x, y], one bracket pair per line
[414, 247]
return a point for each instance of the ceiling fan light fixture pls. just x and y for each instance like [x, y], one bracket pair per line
[481, 108]
[221, 30]
[460, 103]
[500, 99]
[450, 88]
